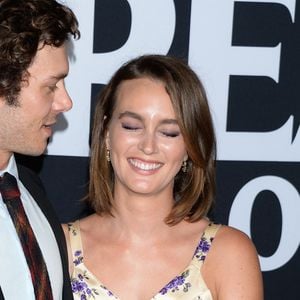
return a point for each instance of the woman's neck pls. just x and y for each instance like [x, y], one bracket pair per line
[139, 217]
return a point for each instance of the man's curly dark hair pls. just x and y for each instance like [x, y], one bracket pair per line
[26, 26]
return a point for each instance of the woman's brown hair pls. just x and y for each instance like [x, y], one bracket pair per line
[194, 189]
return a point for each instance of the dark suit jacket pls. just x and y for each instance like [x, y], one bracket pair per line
[34, 186]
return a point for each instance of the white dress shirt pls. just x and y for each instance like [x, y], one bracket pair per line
[15, 279]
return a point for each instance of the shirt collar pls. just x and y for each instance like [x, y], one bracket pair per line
[11, 168]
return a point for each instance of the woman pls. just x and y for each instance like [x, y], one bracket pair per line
[152, 183]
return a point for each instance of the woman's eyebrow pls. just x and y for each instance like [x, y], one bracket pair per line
[140, 118]
[131, 115]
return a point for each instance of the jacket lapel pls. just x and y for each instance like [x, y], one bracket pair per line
[34, 185]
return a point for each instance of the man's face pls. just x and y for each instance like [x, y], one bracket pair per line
[26, 127]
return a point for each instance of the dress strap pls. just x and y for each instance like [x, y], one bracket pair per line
[211, 230]
[206, 242]
[75, 242]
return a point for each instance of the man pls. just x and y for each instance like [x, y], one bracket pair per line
[33, 65]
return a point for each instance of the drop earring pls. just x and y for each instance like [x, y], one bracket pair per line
[184, 166]
[108, 155]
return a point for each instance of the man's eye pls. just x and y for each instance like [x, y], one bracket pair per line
[52, 88]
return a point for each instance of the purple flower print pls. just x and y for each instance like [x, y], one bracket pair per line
[78, 285]
[202, 249]
[176, 283]
[79, 258]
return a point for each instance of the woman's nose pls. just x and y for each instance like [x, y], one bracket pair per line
[148, 143]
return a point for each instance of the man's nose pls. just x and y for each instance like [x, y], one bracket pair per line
[63, 101]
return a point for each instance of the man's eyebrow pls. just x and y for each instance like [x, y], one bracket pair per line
[58, 76]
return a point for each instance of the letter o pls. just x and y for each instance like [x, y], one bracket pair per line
[289, 199]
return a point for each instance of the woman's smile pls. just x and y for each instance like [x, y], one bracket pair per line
[144, 165]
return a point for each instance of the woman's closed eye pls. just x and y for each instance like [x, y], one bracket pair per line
[131, 127]
[171, 134]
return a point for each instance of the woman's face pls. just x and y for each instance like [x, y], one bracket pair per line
[145, 142]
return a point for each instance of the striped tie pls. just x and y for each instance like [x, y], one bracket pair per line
[32, 252]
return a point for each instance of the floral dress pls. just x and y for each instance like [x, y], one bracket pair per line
[188, 285]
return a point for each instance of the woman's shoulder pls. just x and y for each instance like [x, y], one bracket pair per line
[79, 225]
[233, 250]
[89, 222]
[226, 240]
[232, 241]
[228, 233]
[232, 247]
[91, 227]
